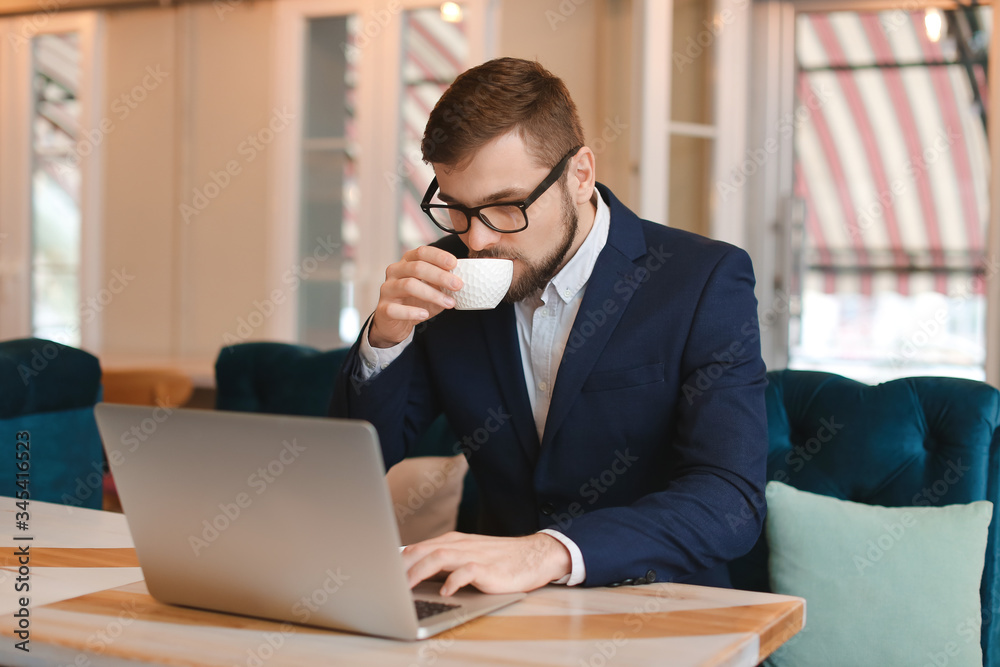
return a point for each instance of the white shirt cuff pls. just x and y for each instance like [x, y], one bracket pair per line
[578, 571]
[376, 359]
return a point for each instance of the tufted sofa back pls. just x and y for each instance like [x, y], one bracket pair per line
[276, 378]
[915, 441]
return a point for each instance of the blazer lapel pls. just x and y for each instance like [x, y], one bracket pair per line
[500, 330]
[615, 266]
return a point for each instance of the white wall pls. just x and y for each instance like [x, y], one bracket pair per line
[588, 44]
[193, 280]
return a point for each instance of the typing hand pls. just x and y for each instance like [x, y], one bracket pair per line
[491, 564]
[412, 293]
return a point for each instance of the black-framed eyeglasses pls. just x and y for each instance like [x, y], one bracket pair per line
[504, 217]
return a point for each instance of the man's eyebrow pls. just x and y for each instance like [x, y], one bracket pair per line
[507, 194]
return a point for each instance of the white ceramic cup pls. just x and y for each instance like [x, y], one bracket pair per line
[485, 281]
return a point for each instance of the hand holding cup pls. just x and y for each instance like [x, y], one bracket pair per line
[412, 292]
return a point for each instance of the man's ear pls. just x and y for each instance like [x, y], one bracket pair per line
[582, 175]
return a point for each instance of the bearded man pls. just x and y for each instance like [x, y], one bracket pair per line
[620, 383]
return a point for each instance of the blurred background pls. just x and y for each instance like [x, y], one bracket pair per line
[176, 177]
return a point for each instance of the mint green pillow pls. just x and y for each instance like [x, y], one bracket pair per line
[883, 585]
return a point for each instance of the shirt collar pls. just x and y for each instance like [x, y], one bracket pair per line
[574, 276]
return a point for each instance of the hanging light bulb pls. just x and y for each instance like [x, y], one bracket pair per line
[451, 12]
[933, 22]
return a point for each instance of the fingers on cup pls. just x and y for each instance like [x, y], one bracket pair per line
[414, 288]
[436, 256]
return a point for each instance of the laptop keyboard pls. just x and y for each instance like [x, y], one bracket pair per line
[426, 608]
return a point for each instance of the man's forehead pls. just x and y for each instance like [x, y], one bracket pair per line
[510, 146]
[493, 173]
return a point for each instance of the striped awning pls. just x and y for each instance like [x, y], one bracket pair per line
[434, 53]
[891, 154]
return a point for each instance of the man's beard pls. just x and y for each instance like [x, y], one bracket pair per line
[535, 277]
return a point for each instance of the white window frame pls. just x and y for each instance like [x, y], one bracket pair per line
[16, 161]
[727, 130]
[377, 111]
[772, 210]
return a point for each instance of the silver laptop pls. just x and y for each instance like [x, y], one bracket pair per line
[285, 518]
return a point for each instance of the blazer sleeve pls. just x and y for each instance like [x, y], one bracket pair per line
[712, 508]
[397, 401]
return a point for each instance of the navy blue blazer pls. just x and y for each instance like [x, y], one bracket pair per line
[654, 451]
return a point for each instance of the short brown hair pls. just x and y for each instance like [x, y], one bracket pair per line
[495, 98]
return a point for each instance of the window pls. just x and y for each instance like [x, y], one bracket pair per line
[328, 224]
[871, 227]
[892, 165]
[55, 188]
[51, 134]
[349, 181]
[434, 53]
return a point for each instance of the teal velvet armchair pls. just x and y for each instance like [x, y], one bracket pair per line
[48, 392]
[910, 442]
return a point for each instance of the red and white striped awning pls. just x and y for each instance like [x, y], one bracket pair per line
[891, 151]
[434, 53]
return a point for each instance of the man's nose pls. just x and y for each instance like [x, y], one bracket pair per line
[479, 236]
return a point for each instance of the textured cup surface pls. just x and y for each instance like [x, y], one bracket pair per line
[485, 282]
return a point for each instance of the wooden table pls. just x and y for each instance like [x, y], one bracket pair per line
[89, 606]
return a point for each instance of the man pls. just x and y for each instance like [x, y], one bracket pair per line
[612, 409]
